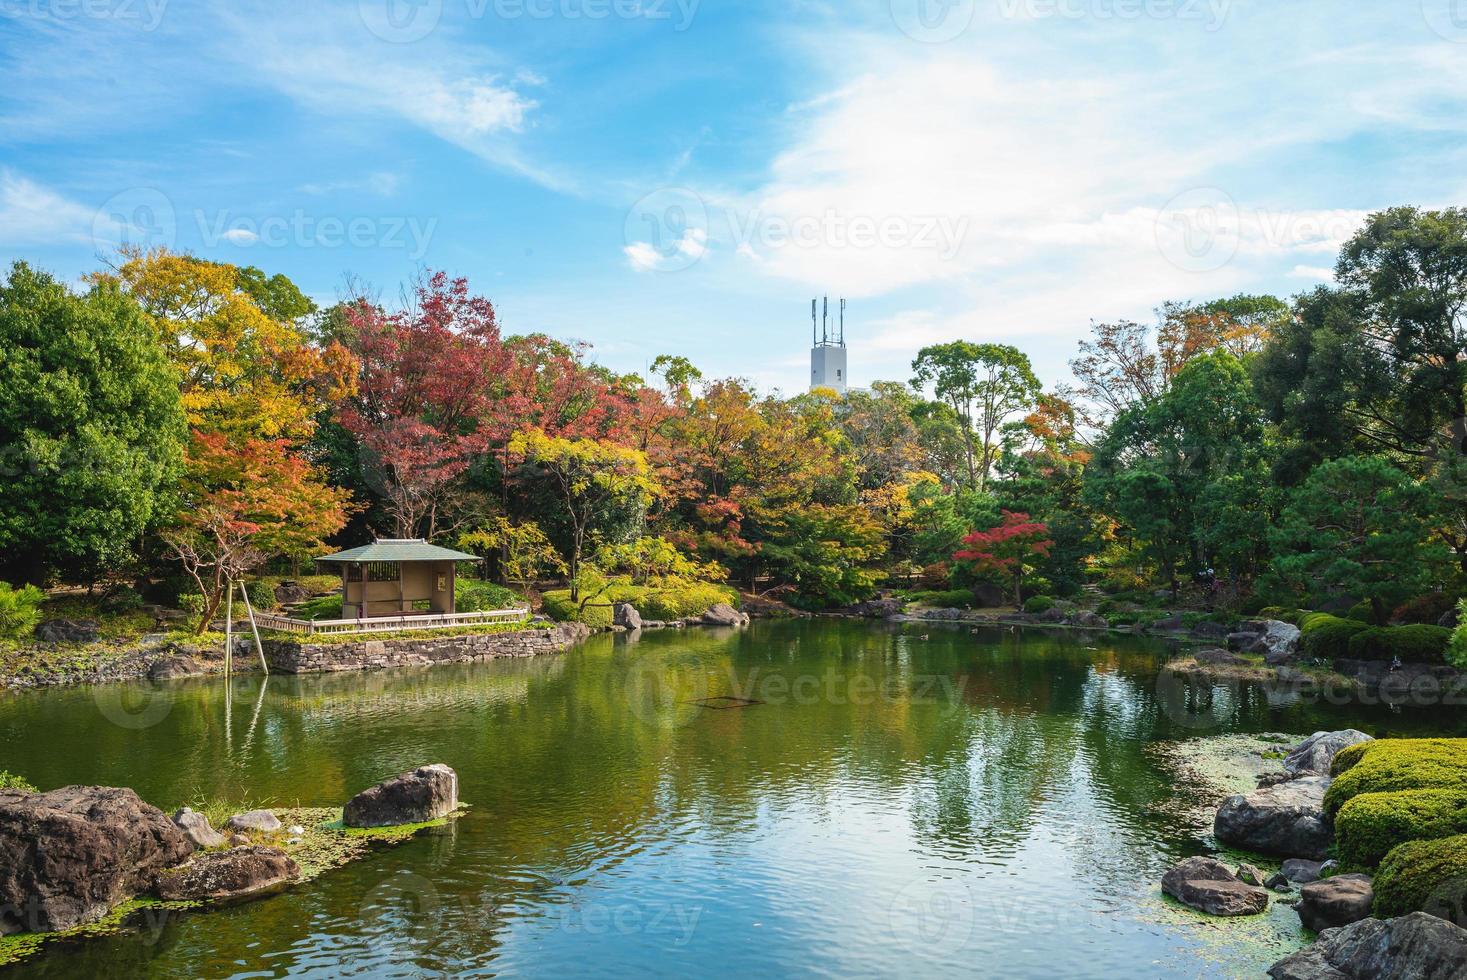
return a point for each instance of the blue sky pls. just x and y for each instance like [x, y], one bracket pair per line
[681, 176]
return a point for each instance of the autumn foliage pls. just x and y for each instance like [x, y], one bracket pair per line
[1009, 549]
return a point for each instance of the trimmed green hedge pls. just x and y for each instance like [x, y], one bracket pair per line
[1283, 614]
[1346, 758]
[1418, 644]
[657, 604]
[1038, 604]
[1370, 826]
[1391, 765]
[1423, 876]
[947, 599]
[1326, 637]
[475, 595]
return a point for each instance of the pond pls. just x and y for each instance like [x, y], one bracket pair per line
[910, 799]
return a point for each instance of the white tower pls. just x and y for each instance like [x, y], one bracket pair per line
[828, 349]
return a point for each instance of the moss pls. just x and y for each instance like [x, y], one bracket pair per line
[1370, 826]
[1423, 876]
[1323, 636]
[1391, 765]
[123, 918]
[1413, 644]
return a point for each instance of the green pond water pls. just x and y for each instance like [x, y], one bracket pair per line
[904, 800]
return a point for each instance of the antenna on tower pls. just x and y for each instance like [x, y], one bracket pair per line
[813, 321]
[825, 322]
[842, 321]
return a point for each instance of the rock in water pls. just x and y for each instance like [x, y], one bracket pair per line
[723, 615]
[1302, 872]
[1286, 820]
[627, 616]
[1413, 947]
[195, 827]
[1250, 875]
[1278, 642]
[1317, 752]
[1208, 886]
[224, 875]
[253, 822]
[1333, 902]
[426, 793]
[69, 856]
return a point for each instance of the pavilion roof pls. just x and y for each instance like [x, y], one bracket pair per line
[398, 550]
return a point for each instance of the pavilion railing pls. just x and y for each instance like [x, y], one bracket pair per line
[387, 624]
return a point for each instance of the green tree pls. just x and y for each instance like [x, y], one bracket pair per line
[986, 385]
[91, 425]
[1360, 526]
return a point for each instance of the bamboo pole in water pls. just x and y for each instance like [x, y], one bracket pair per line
[259, 647]
[228, 628]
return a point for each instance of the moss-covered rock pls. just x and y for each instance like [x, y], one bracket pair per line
[1370, 826]
[1391, 765]
[1423, 876]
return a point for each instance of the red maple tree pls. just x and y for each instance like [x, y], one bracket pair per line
[1008, 549]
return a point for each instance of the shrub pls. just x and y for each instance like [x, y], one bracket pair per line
[20, 610]
[474, 595]
[1326, 637]
[944, 599]
[1413, 644]
[667, 603]
[1423, 876]
[321, 607]
[192, 603]
[12, 781]
[1390, 765]
[1283, 614]
[120, 599]
[1370, 826]
[1457, 646]
[1346, 758]
[1039, 604]
[262, 595]
[1364, 612]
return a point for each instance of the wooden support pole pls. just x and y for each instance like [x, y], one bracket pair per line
[228, 629]
[259, 647]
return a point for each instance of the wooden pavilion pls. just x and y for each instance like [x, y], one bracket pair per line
[397, 578]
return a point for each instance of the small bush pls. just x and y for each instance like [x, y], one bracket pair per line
[1364, 612]
[1391, 765]
[120, 599]
[1346, 758]
[262, 595]
[474, 595]
[1282, 614]
[322, 607]
[1039, 604]
[1370, 826]
[944, 599]
[1417, 644]
[665, 604]
[11, 781]
[192, 603]
[1326, 637]
[1423, 876]
[20, 610]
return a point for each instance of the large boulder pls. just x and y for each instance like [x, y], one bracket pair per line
[195, 827]
[68, 631]
[626, 616]
[69, 856]
[1286, 820]
[723, 615]
[1278, 642]
[1207, 885]
[426, 793]
[1302, 871]
[253, 822]
[1089, 620]
[223, 875]
[1317, 752]
[1413, 947]
[877, 608]
[1333, 902]
[291, 593]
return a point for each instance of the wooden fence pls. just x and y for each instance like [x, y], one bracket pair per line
[387, 624]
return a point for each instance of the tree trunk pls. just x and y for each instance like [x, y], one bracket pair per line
[1018, 590]
[211, 608]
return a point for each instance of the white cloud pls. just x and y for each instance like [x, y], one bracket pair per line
[240, 236]
[643, 256]
[382, 183]
[1319, 273]
[34, 215]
